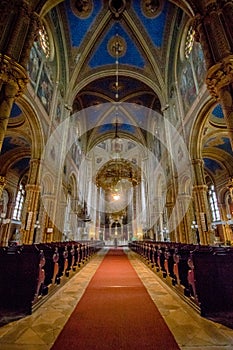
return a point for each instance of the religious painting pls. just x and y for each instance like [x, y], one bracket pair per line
[99, 160]
[82, 8]
[199, 63]
[58, 112]
[151, 8]
[34, 65]
[45, 88]
[187, 86]
[76, 154]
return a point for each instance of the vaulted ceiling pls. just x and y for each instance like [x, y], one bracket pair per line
[146, 34]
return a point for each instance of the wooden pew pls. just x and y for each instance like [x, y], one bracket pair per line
[213, 271]
[19, 273]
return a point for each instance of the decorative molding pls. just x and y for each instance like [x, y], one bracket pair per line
[219, 76]
[2, 181]
[82, 8]
[151, 8]
[117, 7]
[12, 73]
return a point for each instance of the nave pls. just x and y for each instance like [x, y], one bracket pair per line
[40, 330]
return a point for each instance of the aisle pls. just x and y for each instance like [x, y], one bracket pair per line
[115, 312]
[40, 330]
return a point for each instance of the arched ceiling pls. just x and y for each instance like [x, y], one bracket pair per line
[146, 48]
[216, 146]
[118, 41]
[17, 148]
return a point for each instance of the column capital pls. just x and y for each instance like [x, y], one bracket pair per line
[2, 181]
[33, 188]
[34, 172]
[197, 161]
[2, 184]
[219, 76]
[13, 74]
[199, 188]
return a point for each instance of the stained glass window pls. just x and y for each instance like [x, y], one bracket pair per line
[189, 42]
[44, 41]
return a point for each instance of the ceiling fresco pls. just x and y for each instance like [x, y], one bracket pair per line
[153, 22]
[131, 54]
[79, 26]
[114, 28]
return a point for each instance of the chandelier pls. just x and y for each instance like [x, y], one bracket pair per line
[80, 209]
[116, 170]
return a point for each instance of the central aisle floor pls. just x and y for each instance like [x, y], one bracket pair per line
[116, 312]
[40, 330]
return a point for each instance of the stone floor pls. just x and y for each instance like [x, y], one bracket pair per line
[39, 330]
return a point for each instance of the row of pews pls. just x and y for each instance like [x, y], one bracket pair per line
[29, 274]
[202, 275]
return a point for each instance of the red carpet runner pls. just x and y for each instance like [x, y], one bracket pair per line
[115, 313]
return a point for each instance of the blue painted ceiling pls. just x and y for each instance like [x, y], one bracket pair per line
[132, 55]
[16, 111]
[79, 27]
[212, 165]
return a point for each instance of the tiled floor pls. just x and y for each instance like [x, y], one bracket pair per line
[39, 331]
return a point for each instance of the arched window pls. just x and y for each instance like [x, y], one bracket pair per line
[19, 203]
[213, 204]
[191, 68]
[41, 67]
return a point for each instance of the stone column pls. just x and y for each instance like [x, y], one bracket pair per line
[30, 211]
[221, 233]
[5, 234]
[2, 184]
[48, 233]
[13, 80]
[220, 84]
[214, 32]
[19, 27]
[173, 232]
[201, 203]
[185, 208]
[158, 212]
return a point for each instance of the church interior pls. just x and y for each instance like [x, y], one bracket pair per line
[116, 134]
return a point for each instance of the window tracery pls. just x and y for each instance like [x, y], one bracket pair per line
[189, 42]
[44, 41]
